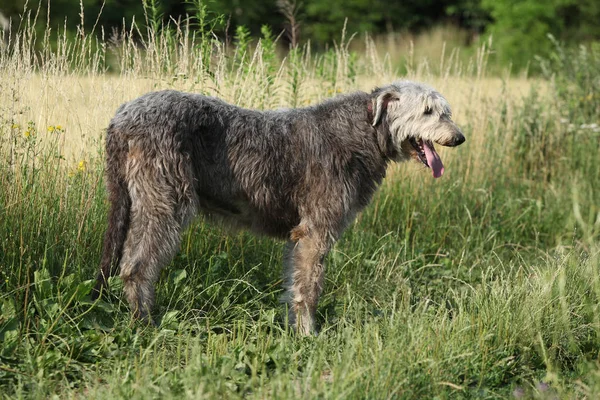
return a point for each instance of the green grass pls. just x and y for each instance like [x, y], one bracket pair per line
[483, 284]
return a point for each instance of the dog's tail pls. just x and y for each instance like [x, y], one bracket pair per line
[120, 207]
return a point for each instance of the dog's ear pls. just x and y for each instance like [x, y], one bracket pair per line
[380, 103]
[384, 140]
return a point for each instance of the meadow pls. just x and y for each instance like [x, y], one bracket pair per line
[482, 284]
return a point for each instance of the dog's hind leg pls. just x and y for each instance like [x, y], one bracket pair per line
[151, 243]
[159, 212]
[304, 274]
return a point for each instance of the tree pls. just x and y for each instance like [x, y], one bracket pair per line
[520, 27]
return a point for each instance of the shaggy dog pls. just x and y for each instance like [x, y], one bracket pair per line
[294, 174]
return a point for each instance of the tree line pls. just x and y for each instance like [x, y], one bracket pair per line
[519, 27]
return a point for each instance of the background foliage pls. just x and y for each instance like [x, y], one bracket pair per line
[519, 27]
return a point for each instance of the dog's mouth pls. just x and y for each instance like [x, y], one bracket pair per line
[426, 153]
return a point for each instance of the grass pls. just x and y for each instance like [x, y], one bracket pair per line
[483, 284]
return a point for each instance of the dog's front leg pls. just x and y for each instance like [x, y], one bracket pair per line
[304, 273]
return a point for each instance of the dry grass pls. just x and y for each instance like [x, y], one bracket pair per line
[83, 105]
[67, 84]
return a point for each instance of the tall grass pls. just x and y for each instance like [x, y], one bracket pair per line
[481, 284]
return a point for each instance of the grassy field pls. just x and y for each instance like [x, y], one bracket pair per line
[483, 284]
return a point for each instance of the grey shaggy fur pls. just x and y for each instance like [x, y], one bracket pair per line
[294, 174]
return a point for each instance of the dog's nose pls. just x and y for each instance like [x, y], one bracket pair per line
[459, 139]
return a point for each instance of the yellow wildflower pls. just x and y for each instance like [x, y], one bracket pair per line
[81, 166]
[15, 126]
[28, 133]
[55, 128]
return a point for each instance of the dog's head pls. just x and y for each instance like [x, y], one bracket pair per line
[410, 117]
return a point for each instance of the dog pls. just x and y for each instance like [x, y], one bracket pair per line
[299, 175]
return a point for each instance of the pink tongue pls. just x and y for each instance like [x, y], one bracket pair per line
[433, 159]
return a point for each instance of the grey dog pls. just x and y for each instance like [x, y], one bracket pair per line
[296, 174]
